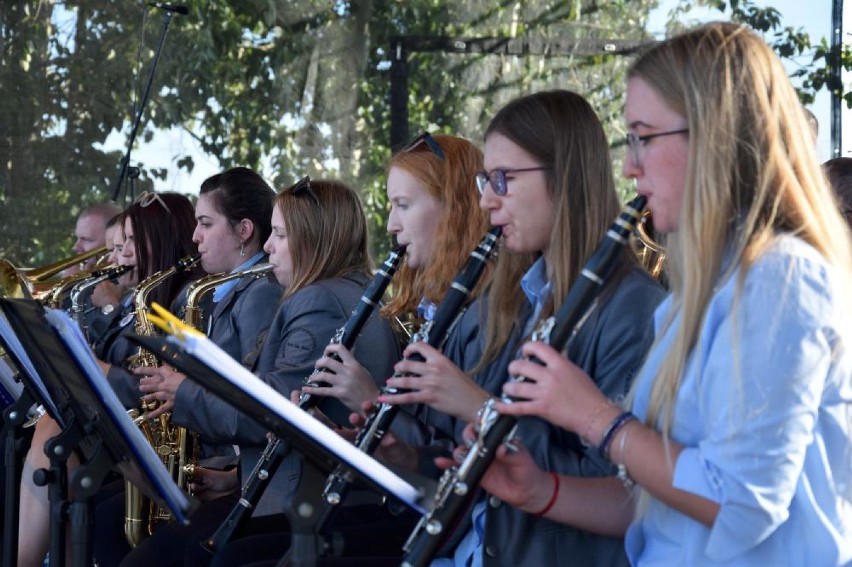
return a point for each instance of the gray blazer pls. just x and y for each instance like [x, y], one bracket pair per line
[610, 347]
[297, 337]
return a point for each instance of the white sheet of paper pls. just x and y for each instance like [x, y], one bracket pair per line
[214, 357]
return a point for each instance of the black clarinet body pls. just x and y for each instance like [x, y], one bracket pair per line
[458, 484]
[434, 333]
[276, 450]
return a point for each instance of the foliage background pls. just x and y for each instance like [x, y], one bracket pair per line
[287, 87]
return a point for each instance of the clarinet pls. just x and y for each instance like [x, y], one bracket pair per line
[457, 485]
[276, 450]
[434, 333]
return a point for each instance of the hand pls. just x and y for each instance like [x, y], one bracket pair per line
[159, 384]
[513, 476]
[209, 484]
[105, 366]
[391, 450]
[436, 382]
[348, 381]
[558, 391]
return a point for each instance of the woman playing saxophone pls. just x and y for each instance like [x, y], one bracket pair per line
[232, 222]
[156, 232]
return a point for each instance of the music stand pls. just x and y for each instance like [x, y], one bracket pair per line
[322, 448]
[96, 423]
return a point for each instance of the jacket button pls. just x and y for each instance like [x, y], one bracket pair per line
[494, 502]
[490, 551]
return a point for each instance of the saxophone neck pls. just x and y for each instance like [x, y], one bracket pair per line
[197, 290]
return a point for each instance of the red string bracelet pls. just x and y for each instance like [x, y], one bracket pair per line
[553, 496]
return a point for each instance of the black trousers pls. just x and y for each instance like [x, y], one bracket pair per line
[367, 535]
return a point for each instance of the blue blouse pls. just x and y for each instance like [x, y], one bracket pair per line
[764, 413]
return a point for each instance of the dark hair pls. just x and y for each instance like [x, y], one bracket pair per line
[241, 193]
[162, 237]
[839, 172]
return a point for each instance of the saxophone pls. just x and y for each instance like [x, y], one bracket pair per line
[172, 444]
[192, 314]
[78, 309]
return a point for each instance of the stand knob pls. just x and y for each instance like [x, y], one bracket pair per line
[42, 477]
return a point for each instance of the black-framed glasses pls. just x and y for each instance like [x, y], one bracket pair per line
[636, 143]
[303, 187]
[497, 179]
[427, 139]
[146, 198]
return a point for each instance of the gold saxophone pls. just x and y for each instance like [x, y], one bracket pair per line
[192, 315]
[171, 443]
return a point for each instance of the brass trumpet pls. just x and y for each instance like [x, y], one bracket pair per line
[33, 283]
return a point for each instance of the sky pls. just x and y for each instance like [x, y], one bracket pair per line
[814, 16]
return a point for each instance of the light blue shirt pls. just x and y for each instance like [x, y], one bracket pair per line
[763, 412]
[222, 290]
[468, 552]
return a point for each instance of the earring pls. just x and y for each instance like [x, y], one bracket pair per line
[242, 249]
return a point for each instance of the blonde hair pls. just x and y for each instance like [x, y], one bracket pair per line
[462, 225]
[562, 132]
[752, 175]
[326, 230]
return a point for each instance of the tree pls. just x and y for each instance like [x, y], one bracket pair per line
[288, 87]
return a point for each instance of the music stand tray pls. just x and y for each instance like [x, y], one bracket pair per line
[203, 361]
[63, 367]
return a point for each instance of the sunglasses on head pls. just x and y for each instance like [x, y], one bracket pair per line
[427, 139]
[303, 187]
[146, 198]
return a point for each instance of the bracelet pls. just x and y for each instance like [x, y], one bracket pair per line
[622, 473]
[611, 430]
[553, 496]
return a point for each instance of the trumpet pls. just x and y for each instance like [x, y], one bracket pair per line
[32, 283]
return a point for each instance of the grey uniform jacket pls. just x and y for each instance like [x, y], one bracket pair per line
[297, 337]
[610, 347]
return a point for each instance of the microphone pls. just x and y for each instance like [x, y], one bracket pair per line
[177, 8]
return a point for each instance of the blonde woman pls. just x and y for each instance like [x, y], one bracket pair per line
[739, 435]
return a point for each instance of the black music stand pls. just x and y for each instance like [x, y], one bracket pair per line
[95, 424]
[321, 448]
[21, 372]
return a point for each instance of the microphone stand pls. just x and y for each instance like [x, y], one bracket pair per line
[125, 161]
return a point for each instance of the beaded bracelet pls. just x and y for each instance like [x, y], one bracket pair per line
[553, 496]
[611, 430]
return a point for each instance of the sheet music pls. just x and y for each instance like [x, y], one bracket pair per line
[13, 344]
[70, 333]
[214, 357]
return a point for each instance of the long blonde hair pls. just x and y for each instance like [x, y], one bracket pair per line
[752, 175]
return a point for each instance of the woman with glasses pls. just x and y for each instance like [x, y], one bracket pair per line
[156, 232]
[738, 435]
[548, 183]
